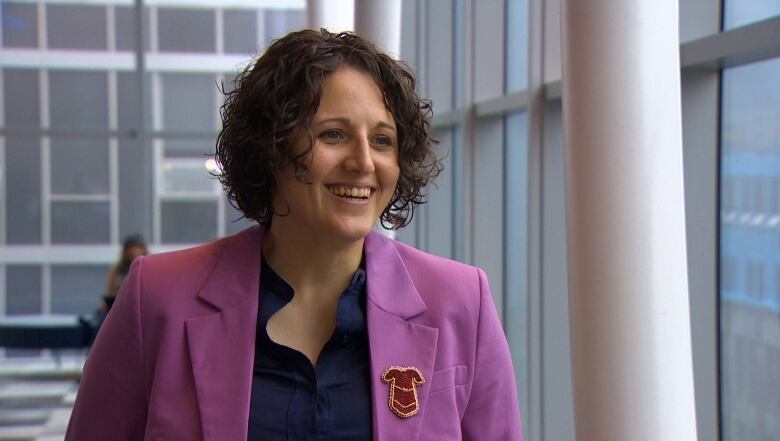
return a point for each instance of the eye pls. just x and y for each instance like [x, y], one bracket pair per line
[331, 135]
[383, 141]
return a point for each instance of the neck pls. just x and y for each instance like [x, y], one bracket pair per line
[311, 264]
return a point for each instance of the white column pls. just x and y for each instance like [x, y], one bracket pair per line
[333, 15]
[630, 326]
[380, 22]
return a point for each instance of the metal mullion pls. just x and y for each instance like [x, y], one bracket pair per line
[67, 133]
[4, 209]
[70, 197]
[466, 238]
[113, 124]
[219, 35]
[202, 196]
[221, 196]
[45, 145]
[449, 120]
[746, 44]
[3, 171]
[157, 158]
[3, 184]
[535, 289]
[421, 43]
[553, 90]
[503, 105]
[157, 145]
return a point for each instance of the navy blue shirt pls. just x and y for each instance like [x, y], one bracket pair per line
[294, 401]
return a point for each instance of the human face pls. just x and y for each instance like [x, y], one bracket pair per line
[353, 167]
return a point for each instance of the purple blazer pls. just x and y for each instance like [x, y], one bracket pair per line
[174, 359]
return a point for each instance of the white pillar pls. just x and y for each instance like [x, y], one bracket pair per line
[380, 22]
[630, 326]
[333, 15]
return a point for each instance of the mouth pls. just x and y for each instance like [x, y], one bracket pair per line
[350, 193]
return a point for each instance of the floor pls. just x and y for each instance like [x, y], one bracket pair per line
[36, 396]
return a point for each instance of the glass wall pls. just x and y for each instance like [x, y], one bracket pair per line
[750, 252]
[742, 12]
[95, 146]
[494, 78]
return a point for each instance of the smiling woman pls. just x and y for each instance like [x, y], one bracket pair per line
[352, 171]
[309, 326]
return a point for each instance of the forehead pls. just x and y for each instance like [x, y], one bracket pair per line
[354, 92]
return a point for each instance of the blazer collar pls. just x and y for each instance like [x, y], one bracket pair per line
[393, 289]
[222, 344]
[236, 273]
[396, 340]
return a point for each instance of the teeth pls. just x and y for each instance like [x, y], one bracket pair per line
[353, 192]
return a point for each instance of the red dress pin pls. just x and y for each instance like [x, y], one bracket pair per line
[403, 383]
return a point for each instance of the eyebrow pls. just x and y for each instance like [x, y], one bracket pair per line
[346, 121]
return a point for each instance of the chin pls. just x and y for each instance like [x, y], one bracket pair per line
[352, 233]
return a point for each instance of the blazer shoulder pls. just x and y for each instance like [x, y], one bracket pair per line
[442, 281]
[436, 265]
[187, 266]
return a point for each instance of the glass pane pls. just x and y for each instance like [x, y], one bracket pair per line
[489, 44]
[20, 93]
[186, 30]
[23, 190]
[202, 148]
[440, 62]
[750, 253]
[487, 168]
[76, 26]
[516, 45]
[79, 165]
[234, 222]
[187, 175]
[23, 289]
[241, 32]
[438, 219]
[279, 22]
[80, 222]
[189, 102]
[189, 222]
[79, 99]
[516, 248]
[125, 28]
[458, 65]
[20, 24]
[741, 12]
[127, 100]
[458, 212]
[77, 289]
[135, 193]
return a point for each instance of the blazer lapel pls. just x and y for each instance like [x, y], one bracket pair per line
[222, 344]
[395, 340]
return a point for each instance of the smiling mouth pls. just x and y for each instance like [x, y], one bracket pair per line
[357, 193]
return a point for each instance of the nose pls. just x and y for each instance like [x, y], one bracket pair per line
[360, 159]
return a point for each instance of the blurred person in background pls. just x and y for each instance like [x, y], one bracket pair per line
[310, 325]
[132, 247]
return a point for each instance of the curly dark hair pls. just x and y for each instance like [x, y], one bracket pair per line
[277, 97]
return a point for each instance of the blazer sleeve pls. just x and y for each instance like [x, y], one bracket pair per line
[492, 412]
[111, 401]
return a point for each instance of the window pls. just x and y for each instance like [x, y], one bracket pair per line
[750, 252]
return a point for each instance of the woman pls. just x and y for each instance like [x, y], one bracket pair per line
[132, 247]
[309, 326]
